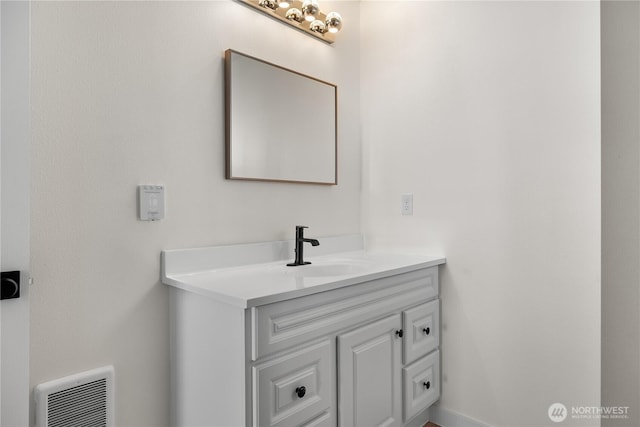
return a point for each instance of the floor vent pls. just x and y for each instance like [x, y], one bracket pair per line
[81, 400]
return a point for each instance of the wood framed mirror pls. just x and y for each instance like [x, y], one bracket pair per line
[281, 125]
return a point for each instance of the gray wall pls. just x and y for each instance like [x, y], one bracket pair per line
[14, 215]
[621, 208]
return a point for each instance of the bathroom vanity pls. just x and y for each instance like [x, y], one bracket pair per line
[350, 340]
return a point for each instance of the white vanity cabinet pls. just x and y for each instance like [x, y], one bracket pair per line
[362, 351]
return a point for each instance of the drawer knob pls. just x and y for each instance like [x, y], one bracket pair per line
[301, 391]
[427, 385]
[426, 331]
[399, 333]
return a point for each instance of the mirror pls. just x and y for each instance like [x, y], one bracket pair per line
[281, 125]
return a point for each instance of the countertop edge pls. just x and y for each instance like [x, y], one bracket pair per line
[341, 283]
[244, 303]
[217, 296]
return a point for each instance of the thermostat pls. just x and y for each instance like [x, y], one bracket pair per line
[150, 202]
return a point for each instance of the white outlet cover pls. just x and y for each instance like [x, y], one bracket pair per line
[406, 207]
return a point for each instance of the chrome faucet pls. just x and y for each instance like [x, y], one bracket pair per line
[300, 241]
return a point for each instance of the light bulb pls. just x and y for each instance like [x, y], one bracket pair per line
[294, 14]
[309, 9]
[333, 22]
[271, 4]
[284, 4]
[318, 26]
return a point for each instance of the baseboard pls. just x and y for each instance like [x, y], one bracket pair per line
[446, 418]
[419, 420]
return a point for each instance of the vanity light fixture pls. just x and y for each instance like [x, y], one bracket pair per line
[302, 14]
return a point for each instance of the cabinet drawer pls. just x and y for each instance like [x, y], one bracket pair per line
[297, 389]
[422, 327]
[281, 325]
[421, 384]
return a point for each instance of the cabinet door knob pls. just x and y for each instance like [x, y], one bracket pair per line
[301, 391]
[426, 331]
[399, 333]
[427, 385]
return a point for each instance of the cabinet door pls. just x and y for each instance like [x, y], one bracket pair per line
[297, 389]
[369, 380]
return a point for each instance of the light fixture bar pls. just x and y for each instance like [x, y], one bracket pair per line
[280, 13]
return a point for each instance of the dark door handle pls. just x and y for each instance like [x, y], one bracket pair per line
[10, 285]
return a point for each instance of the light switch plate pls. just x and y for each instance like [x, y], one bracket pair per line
[150, 202]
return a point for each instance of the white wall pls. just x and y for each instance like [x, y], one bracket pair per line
[621, 208]
[489, 113]
[128, 93]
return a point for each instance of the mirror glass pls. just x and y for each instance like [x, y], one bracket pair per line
[281, 125]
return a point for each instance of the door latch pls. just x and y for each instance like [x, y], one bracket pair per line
[10, 284]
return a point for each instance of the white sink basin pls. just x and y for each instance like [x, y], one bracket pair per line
[324, 270]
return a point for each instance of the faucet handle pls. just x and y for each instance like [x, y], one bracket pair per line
[301, 226]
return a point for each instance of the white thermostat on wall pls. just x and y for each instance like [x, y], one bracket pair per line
[150, 202]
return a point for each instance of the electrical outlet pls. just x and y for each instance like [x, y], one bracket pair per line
[406, 207]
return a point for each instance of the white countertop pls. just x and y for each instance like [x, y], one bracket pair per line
[247, 285]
